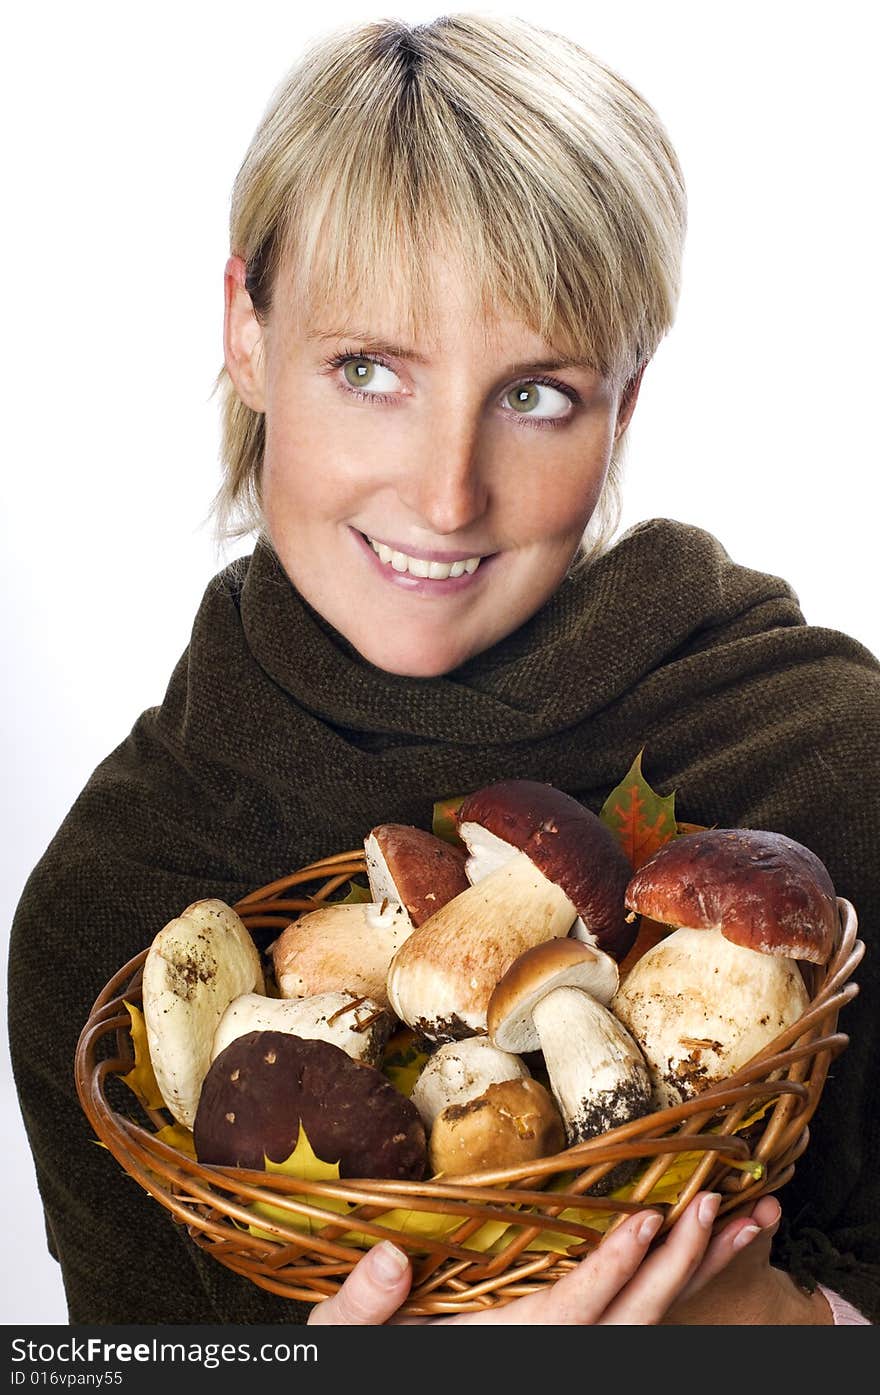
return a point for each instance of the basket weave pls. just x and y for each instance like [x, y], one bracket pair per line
[451, 1276]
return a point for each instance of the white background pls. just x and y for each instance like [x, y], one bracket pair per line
[123, 130]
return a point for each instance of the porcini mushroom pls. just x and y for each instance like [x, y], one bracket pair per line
[412, 867]
[440, 979]
[708, 997]
[343, 947]
[263, 1087]
[510, 1122]
[195, 966]
[565, 840]
[553, 999]
[361, 1026]
[459, 1071]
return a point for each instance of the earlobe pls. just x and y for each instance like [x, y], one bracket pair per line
[243, 338]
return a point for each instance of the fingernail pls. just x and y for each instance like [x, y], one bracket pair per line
[649, 1227]
[388, 1263]
[747, 1233]
[708, 1208]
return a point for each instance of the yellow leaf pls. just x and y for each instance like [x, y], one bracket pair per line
[404, 1060]
[303, 1162]
[140, 1079]
[176, 1136]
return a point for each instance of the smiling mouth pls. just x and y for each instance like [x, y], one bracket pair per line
[420, 566]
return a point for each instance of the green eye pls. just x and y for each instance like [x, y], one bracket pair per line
[538, 399]
[524, 398]
[359, 371]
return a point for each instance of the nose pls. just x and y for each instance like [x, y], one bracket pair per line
[444, 480]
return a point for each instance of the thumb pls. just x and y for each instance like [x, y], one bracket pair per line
[372, 1293]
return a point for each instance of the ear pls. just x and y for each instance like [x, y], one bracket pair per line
[627, 405]
[243, 338]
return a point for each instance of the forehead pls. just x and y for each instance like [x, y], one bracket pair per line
[420, 320]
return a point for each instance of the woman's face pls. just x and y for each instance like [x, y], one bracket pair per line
[425, 498]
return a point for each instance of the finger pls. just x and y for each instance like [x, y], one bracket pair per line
[371, 1294]
[660, 1279]
[582, 1295]
[762, 1220]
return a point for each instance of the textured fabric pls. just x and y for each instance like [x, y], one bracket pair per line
[277, 744]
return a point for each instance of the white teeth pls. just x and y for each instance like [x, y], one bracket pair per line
[418, 566]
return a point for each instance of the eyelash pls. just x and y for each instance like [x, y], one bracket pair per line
[536, 424]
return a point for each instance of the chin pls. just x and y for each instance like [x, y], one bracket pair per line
[418, 660]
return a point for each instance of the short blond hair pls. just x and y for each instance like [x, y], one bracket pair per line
[552, 180]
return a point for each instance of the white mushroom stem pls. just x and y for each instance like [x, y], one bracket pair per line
[486, 851]
[441, 979]
[360, 1026]
[343, 947]
[596, 1070]
[701, 1007]
[194, 967]
[459, 1071]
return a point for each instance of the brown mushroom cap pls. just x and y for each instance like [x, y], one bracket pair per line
[568, 843]
[763, 890]
[512, 1122]
[263, 1084]
[414, 867]
[535, 974]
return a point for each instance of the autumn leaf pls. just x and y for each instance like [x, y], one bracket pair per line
[443, 823]
[641, 820]
[140, 1079]
[356, 895]
[404, 1060]
[304, 1163]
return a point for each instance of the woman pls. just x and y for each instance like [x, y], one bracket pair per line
[454, 251]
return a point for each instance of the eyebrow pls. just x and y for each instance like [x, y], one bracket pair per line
[380, 346]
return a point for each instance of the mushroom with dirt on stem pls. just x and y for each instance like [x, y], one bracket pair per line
[745, 905]
[554, 999]
[557, 868]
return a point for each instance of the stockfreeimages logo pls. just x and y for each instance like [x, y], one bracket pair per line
[37, 1362]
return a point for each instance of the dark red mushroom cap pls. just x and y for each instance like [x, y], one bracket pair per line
[763, 890]
[263, 1084]
[414, 867]
[569, 844]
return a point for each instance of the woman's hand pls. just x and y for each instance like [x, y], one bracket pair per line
[619, 1283]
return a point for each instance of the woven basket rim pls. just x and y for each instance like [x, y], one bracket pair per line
[308, 1264]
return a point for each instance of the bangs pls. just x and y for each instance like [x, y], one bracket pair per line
[384, 186]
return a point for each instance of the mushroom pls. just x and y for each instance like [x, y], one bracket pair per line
[709, 996]
[459, 1071]
[440, 979]
[264, 1086]
[553, 998]
[414, 868]
[342, 947]
[565, 840]
[511, 1122]
[194, 967]
[361, 1026]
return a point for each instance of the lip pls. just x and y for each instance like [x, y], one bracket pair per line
[429, 554]
[422, 585]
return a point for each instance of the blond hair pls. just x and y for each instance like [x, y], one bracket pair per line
[550, 177]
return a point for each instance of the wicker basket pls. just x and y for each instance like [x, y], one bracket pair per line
[493, 1236]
